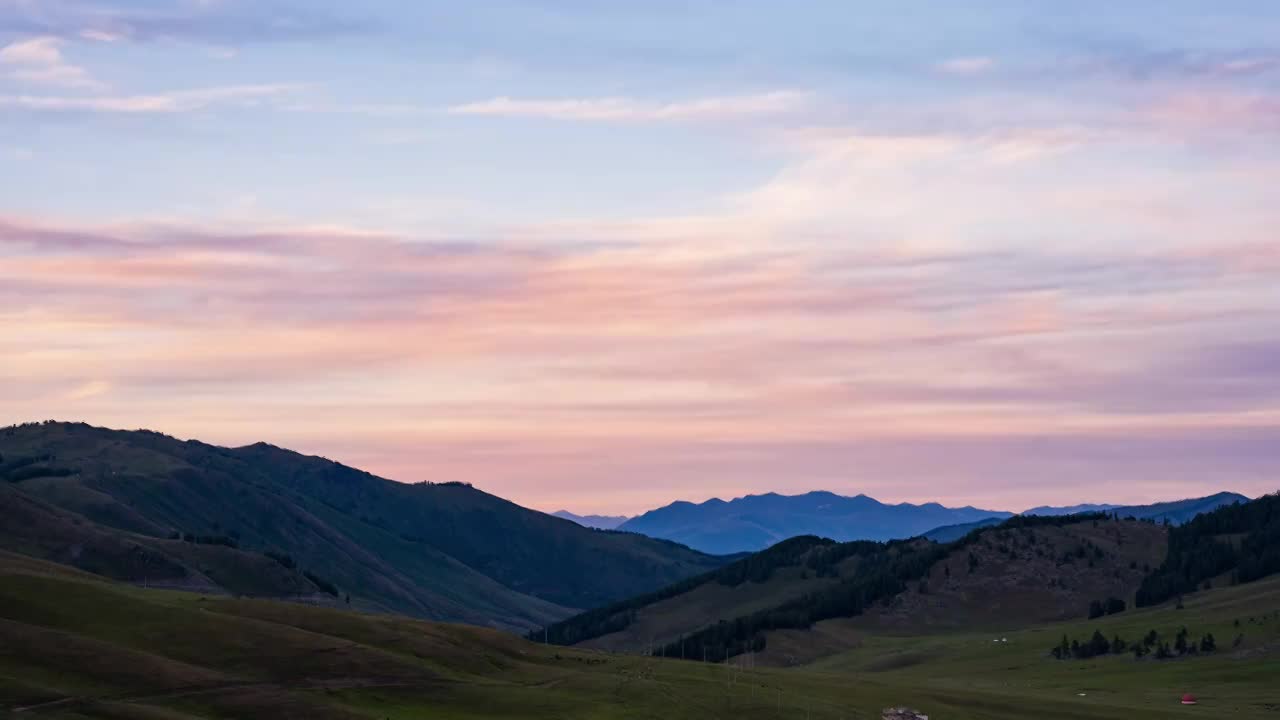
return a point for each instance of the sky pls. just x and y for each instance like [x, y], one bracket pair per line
[603, 255]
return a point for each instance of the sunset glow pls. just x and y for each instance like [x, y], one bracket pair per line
[1005, 263]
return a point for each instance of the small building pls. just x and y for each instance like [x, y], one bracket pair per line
[1189, 699]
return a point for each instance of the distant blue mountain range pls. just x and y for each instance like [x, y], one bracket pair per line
[1176, 512]
[601, 522]
[755, 522]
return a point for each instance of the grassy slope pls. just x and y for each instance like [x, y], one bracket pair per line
[666, 620]
[1239, 682]
[435, 551]
[41, 530]
[1008, 586]
[74, 646]
[195, 488]
[528, 551]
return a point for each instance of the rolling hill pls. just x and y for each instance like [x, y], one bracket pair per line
[76, 646]
[755, 522]
[441, 551]
[34, 528]
[810, 597]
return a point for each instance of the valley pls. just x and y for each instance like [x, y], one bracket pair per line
[808, 597]
[76, 646]
[675, 360]
[146, 577]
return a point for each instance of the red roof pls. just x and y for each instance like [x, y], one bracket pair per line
[1188, 698]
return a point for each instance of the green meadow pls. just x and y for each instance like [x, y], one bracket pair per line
[76, 646]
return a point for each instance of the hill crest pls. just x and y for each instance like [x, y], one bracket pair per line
[443, 551]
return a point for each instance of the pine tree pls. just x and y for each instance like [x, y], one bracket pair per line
[1208, 644]
[1118, 645]
[1098, 644]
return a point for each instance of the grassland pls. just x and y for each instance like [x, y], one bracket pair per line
[665, 621]
[75, 646]
[1239, 681]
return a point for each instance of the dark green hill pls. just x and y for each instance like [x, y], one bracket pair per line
[34, 528]
[809, 598]
[1241, 541]
[74, 646]
[805, 593]
[440, 551]
[528, 551]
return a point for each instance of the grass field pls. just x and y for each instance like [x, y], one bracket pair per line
[72, 646]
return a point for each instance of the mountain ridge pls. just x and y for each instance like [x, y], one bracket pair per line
[754, 522]
[1176, 512]
[440, 551]
[599, 522]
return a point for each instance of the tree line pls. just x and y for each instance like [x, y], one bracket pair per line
[1110, 606]
[1150, 644]
[1242, 540]
[883, 571]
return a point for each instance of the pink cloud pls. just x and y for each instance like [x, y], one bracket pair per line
[565, 361]
[1219, 110]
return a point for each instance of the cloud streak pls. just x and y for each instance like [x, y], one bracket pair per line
[537, 254]
[39, 61]
[217, 22]
[974, 65]
[178, 101]
[622, 109]
[640, 341]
